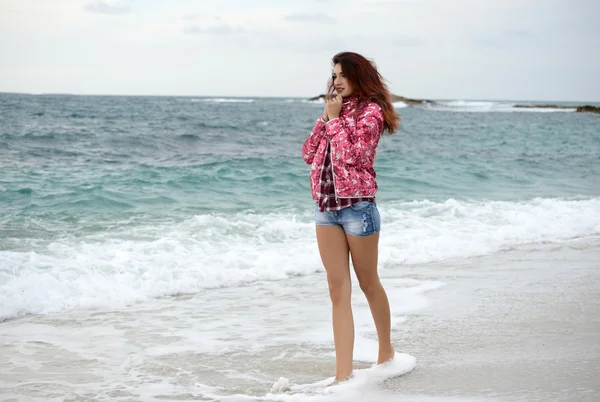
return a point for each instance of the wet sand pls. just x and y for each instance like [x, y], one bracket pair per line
[515, 326]
[522, 325]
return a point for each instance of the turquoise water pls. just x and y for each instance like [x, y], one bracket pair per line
[117, 157]
[120, 185]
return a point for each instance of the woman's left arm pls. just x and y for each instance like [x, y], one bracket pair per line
[359, 152]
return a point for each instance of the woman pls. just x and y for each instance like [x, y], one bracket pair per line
[341, 151]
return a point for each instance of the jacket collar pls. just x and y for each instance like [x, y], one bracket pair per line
[349, 104]
[350, 101]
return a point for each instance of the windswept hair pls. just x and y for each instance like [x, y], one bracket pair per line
[368, 84]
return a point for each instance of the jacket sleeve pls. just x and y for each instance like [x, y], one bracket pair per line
[309, 149]
[356, 145]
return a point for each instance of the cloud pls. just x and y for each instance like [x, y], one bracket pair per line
[386, 3]
[407, 41]
[517, 33]
[511, 48]
[191, 17]
[319, 18]
[487, 41]
[503, 39]
[222, 29]
[101, 7]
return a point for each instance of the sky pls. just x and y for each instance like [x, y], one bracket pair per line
[433, 49]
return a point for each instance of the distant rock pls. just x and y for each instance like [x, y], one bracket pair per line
[412, 102]
[543, 107]
[580, 109]
[395, 98]
[409, 101]
[588, 108]
[316, 98]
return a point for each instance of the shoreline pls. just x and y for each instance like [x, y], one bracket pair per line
[524, 326]
[515, 325]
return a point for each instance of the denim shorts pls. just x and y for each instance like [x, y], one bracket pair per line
[360, 219]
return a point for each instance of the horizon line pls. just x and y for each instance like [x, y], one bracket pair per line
[277, 97]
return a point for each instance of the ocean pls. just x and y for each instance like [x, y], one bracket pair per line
[163, 248]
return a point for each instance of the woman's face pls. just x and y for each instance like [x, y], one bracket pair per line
[340, 83]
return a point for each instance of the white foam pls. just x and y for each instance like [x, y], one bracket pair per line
[543, 110]
[213, 343]
[376, 374]
[319, 101]
[128, 265]
[228, 100]
[425, 231]
[400, 105]
[462, 103]
[485, 106]
[365, 384]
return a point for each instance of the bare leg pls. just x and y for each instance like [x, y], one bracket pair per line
[364, 251]
[333, 248]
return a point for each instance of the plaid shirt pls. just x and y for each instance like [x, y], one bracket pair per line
[327, 201]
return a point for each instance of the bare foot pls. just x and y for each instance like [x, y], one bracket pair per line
[386, 354]
[336, 381]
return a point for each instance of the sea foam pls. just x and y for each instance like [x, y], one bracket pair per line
[127, 265]
[488, 106]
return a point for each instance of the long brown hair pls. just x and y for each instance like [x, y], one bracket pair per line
[368, 84]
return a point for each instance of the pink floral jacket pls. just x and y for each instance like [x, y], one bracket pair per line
[353, 137]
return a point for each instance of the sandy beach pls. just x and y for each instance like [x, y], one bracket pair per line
[519, 325]
[515, 326]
